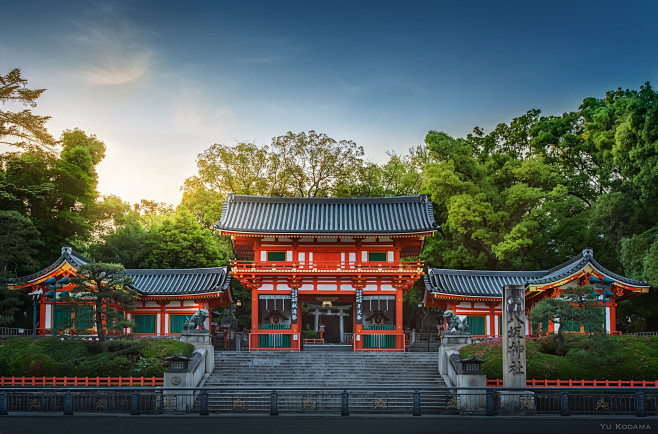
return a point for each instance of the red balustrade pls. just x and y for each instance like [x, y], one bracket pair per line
[82, 381]
[497, 382]
[333, 266]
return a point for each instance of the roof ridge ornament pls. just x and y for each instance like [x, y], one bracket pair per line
[67, 250]
[588, 251]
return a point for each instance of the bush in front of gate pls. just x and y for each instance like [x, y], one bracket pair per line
[588, 358]
[70, 357]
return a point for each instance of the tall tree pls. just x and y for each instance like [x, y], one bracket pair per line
[22, 128]
[180, 242]
[245, 168]
[19, 241]
[314, 163]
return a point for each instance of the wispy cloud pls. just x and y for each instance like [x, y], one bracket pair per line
[113, 50]
[194, 113]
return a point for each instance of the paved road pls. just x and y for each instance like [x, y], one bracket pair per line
[38, 424]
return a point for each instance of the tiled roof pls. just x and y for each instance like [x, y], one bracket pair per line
[490, 283]
[68, 255]
[475, 283]
[577, 263]
[287, 215]
[150, 282]
[153, 282]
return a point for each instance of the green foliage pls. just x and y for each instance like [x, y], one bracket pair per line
[180, 242]
[22, 129]
[576, 305]
[613, 358]
[303, 164]
[104, 286]
[74, 357]
[204, 204]
[149, 238]
[310, 334]
[128, 245]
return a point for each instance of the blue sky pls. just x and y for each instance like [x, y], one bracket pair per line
[160, 81]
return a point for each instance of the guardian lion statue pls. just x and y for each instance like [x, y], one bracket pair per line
[453, 323]
[197, 320]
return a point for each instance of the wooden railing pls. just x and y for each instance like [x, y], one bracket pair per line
[497, 382]
[340, 266]
[282, 340]
[82, 381]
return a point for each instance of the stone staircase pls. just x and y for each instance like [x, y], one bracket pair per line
[312, 369]
[386, 380]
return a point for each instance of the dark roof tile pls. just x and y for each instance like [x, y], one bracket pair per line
[294, 215]
[153, 282]
[490, 283]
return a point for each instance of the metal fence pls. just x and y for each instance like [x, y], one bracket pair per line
[327, 401]
[13, 332]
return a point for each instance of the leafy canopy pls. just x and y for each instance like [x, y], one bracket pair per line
[105, 287]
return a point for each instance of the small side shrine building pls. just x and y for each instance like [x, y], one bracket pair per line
[166, 297]
[337, 265]
[478, 294]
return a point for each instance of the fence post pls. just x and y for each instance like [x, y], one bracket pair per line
[274, 404]
[134, 403]
[490, 403]
[3, 403]
[68, 403]
[564, 403]
[344, 404]
[204, 404]
[640, 404]
[416, 403]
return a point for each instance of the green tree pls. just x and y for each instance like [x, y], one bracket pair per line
[180, 242]
[205, 205]
[22, 129]
[245, 168]
[496, 210]
[129, 245]
[574, 307]
[19, 244]
[105, 287]
[313, 164]
[295, 164]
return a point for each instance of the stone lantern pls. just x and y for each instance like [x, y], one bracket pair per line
[178, 363]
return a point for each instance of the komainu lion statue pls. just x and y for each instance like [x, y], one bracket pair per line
[197, 320]
[453, 323]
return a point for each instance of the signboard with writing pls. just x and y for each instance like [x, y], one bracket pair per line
[293, 306]
[359, 306]
[514, 336]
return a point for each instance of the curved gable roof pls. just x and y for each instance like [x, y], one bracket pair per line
[357, 216]
[475, 283]
[68, 255]
[147, 282]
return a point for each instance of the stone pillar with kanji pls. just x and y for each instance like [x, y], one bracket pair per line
[514, 336]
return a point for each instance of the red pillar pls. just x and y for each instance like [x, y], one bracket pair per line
[162, 318]
[398, 318]
[254, 311]
[42, 316]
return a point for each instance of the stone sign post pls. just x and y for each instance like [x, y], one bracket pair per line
[514, 349]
